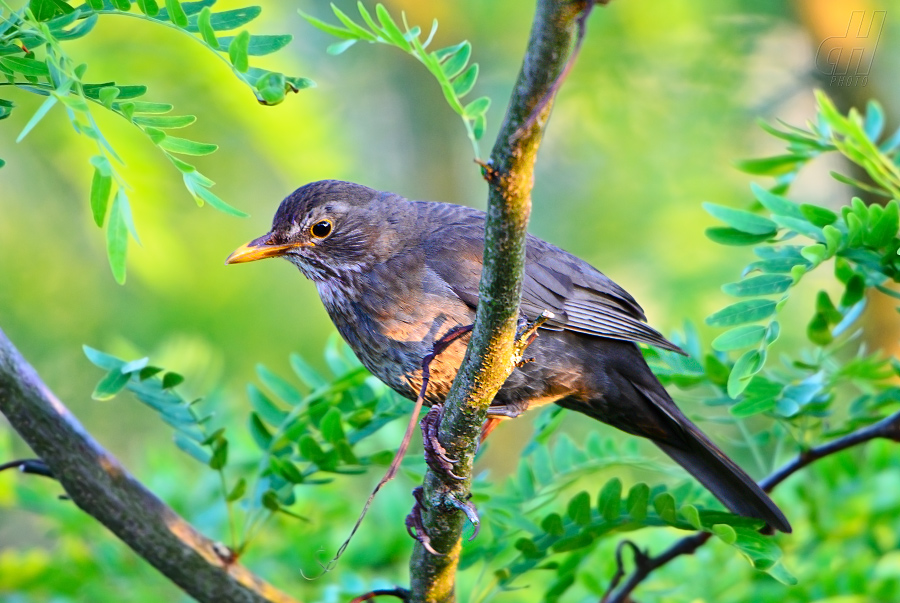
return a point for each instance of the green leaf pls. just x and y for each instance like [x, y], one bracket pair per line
[638, 499]
[259, 432]
[690, 513]
[465, 82]
[765, 284]
[771, 166]
[101, 187]
[259, 45]
[148, 7]
[269, 500]
[334, 30]
[26, 66]
[742, 312]
[854, 292]
[38, 116]
[579, 509]
[237, 493]
[664, 503]
[184, 146]
[231, 19]
[145, 107]
[287, 470]
[171, 380]
[117, 237]
[610, 499]
[776, 204]
[331, 427]
[477, 107]
[732, 236]
[214, 201]
[310, 376]
[206, 31]
[884, 228]
[743, 370]
[164, 121]
[114, 381]
[552, 524]
[192, 448]
[739, 337]
[351, 25]
[101, 359]
[816, 254]
[818, 215]
[264, 407]
[725, 532]
[176, 13]
[220, 455]
[279, 386]
[742, 220]
[750, 406]
[237, 51]
[457, 61]
[44, 10]
[390, 28]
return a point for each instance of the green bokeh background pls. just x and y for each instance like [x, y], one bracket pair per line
[662, 101]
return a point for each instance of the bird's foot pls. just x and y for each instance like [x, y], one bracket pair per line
[525, 335]
[435, 454]
[414, 525]
[471, 512]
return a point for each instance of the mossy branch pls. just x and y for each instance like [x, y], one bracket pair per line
[558, 26]
[101, 487]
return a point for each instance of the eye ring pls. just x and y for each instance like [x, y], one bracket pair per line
[321, 229]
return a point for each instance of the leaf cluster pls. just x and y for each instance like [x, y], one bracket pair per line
[302, 432]
[449, 66]
[860, 242]
[33, 59]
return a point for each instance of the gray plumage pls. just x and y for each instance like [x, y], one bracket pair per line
[395, 275]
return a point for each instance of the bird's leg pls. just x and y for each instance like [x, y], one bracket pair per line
[435, 454]
[414, 526]
[439, 346]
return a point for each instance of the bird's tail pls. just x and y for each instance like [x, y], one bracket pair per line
[721, 476]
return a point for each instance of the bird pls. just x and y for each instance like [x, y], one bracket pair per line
[397, 275]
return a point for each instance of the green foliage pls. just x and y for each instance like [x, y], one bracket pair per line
[33, 59]
[447, 65]
[860, 242]
[302, 432]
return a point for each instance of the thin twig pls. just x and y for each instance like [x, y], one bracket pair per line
[30, 466]
[400, 593]
[888, 428]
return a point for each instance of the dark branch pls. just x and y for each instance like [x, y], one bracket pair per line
[888, 428]
[490, 356]
[101, 487]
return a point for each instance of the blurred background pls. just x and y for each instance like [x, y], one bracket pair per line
[664, 98]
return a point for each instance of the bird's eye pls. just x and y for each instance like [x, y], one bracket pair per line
[321, 229]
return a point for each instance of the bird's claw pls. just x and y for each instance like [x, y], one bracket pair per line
[526, 334]
[471, 512]
[414, 525]
[435, 454]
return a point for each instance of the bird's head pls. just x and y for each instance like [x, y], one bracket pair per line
[328, 228]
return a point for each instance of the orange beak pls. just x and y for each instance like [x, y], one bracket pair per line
[260, 249]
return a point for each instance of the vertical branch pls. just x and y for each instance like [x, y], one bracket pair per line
[557, 26]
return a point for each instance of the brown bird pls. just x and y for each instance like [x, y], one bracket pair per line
[397, 275]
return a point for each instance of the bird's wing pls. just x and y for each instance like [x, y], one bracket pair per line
[581, 298]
